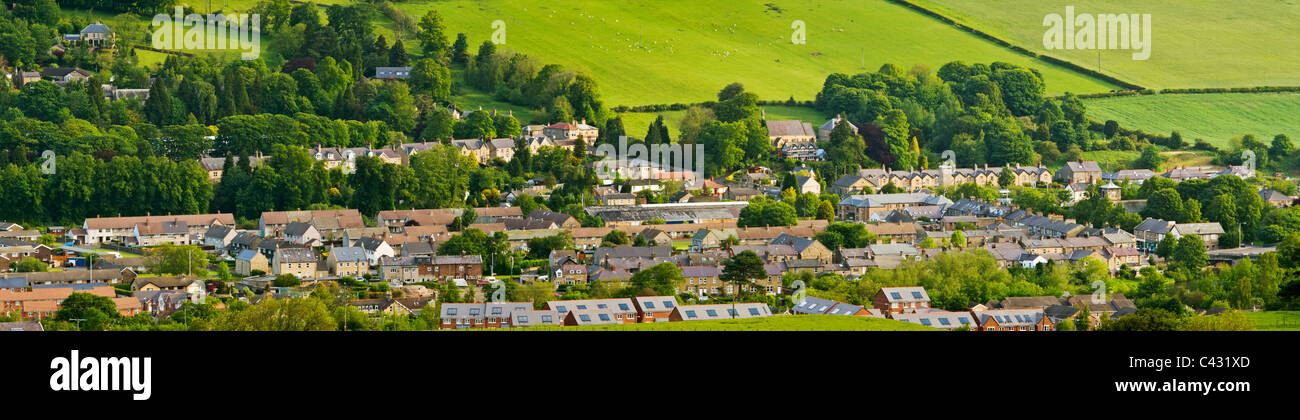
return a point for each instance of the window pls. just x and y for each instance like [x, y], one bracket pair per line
[546, 319]
[753, 311]
[667, 304]
[561, 308]
[690, 314]
[602, 306]
[603, 317]
[451, 311]
[925, 321]
[944, 321]
[582, 307]
[474, 311]
[895, 295]
[623, 306]
[711, 313]
[496, 311]
[584, 318]
[916, 295]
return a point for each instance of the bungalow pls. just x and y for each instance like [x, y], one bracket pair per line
[249, 260]
[654, 308]
[195, 287]
[719, 311]
[818, 306]
[533, 318]
[939, 319]
[1275, 198]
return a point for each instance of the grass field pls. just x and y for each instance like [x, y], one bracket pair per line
[773, 323]
[636, 123]
[1211, 43]
[1215, 117]
[1275, 320]
[646, 52]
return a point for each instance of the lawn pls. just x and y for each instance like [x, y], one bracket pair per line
[669, 51]
[1215, 117]
[1216, 43]
[636, 123]
[1275, 320]
[773, 323]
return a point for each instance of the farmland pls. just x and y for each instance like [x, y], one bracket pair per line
[1217, 43]
[647, 52]
[1215, 117]
[1275, 320]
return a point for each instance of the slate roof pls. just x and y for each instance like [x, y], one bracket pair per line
[349, 254]
[296, 255]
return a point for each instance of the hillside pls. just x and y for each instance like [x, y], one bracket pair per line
[647, 52]
[1215, 117]
[1217, 43]
[775, 323]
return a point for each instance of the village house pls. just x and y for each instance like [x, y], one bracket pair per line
[782, 132]
[300, 262]
[1086, 172]
[1012, 320]
[301, 233]
[194, 287]
[347, 261]
[155, 230]
[866, 207]
[375, 249]
[330, 223]
[480, 315]
[808, 249]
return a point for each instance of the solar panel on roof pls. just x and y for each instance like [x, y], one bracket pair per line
[945, 321]
[584, 318]
[668, 303]
[649, 305]
[711, 313]
[916, 295]
[753, 311]
[963, 320]
[895, 295]
[623, 306]
[604, 317]
[690, 314]
[925, 322]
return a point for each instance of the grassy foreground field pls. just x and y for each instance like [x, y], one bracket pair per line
[1215, 117]
[774, 323]
[668, 51]
[1211, 43]
[1275, 320]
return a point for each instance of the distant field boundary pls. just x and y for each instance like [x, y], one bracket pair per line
[187, 55]
[1016, 48]
[1190, 91]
